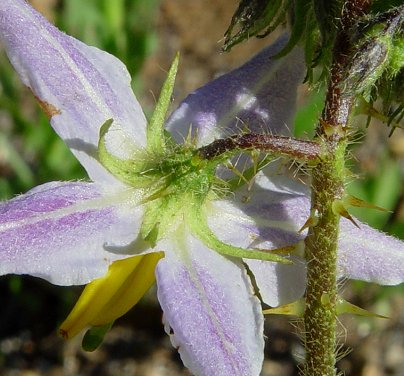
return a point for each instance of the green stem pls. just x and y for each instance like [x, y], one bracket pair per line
[321, 253]
[320, 317]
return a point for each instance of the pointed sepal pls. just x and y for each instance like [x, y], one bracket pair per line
[311, 221]
[128, 171]
[200, 228]
[155, 128]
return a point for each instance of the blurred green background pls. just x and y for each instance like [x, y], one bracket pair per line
[31, 154]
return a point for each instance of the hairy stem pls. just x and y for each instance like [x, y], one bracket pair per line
[327, 188]
[321, 253]
[307, 151]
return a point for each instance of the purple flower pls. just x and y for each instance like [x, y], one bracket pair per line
[113, 231]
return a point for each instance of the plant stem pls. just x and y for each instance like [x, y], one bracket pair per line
[302, 150]
[321, 254]
[327, 188]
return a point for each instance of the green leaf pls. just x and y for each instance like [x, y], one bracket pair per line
[251, 17]
[303, 10]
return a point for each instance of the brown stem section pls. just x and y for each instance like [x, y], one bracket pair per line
[298, 149]
[338, 106]
[327, 187]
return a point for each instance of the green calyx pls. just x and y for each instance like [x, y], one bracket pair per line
[149, 164]
[185, 188]
[172, 181]
[198, 223]
[175, 182]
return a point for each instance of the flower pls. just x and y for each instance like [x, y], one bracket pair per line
[150, 196]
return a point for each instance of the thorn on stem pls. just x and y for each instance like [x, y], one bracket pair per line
[339, 208]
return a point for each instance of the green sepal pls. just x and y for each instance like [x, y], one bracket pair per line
[152, 226]
[94, 337]
[397, 56]
[161, 215]
[152, 235]
[127, 170]
[378, 57]
[198, 224]
[327, 13]
[281, 16]
[156, 141]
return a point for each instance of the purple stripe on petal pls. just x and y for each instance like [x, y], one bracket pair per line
[59, 231]
[272, 237]
[260, 96]
[208, 303]
[80, 86]
[23, 207]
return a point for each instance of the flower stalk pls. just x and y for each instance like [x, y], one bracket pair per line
[302, 150]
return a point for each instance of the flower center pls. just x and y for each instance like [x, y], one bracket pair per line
[175, 183]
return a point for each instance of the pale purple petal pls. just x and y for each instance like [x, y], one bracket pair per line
[259, 96]
[210, 309]
[267, 216]
[81, 86]
[369, 255]
[60, 231]
[279, 283]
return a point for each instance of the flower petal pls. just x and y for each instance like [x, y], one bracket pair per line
[208, 301]
[279, 284]
[259, 96]
[369, 255]
[79, 86]
[59, 231]
[266, 215]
